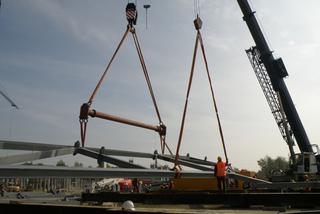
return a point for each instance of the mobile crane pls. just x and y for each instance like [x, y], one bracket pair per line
[271, 72]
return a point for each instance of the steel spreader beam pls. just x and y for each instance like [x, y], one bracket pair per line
[94, 113]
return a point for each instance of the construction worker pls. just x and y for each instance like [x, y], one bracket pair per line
[135, 185]
[1, 190]
[220, 173]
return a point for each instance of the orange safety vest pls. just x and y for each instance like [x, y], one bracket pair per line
[221, 169]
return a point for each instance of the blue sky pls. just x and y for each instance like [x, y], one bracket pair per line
[52, 53]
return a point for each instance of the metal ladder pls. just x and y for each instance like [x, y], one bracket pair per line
[271, 95]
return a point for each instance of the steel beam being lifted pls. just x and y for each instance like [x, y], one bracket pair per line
[46, 150]
[35, 156]
[100, 156]
[105, 158]
[196, 160]
[63, 172]
[29, 146]
[184, 163]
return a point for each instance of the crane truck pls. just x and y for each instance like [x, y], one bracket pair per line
[271, 72]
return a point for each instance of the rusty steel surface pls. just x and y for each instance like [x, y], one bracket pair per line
[94, 113]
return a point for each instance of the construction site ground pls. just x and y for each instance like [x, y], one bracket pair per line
[15, 206]
[36, 202]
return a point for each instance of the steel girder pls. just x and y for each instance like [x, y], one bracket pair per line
[63, 172]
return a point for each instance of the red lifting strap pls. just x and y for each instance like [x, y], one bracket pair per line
[83, 130]
[198, 24]
[85, 109]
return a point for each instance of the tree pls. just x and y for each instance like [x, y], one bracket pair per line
[269, 166]
[61, 163]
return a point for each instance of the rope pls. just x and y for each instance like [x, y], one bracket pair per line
[146, 74]
[196, 8]
[83, 122]
[199, 39]
[105, 72]
[144, 68]
[213, 97]
[186, 102]
[166, 145]
[83, 131]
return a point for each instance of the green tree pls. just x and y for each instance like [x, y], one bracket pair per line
[61, 163]
[269, 166]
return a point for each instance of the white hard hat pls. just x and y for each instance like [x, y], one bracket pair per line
[128, 206]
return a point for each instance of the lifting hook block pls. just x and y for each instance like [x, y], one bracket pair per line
[84, 111]
[197, 23]
[131, 13]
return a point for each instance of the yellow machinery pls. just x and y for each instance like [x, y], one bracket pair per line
[209, 184]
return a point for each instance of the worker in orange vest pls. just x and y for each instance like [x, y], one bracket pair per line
[220, 173]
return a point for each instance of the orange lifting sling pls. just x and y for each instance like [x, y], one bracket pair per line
[198, 25]
[86, 110]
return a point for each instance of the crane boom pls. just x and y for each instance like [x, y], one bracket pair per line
[9, 100]
[276, 71]
[272, 97]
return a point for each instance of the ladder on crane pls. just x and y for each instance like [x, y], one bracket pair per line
[272, 96]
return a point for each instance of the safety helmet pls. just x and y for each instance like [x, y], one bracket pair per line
[128, 206]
